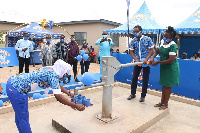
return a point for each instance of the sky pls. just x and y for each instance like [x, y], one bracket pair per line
[166, 12]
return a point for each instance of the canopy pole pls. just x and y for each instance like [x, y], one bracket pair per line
[157, 41]
[128, 3]
[159, 37]
[178, 44]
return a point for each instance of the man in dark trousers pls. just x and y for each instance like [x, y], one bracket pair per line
[141, 49]
[73, 53]
[24, 46]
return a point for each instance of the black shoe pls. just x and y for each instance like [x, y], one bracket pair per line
[68, 81]
[77, 80]
[141, 99]
[131, 97]
[64, 82]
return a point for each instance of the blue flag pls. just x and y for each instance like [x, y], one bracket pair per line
[128, 3]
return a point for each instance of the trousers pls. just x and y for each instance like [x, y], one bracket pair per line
[23, 61]
[145, 80]
[20, 106]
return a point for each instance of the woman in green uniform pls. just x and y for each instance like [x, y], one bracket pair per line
[169, 66]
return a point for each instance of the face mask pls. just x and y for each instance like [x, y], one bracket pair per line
[166, 40]
[61, 40]
[26, 38]
[104, 36]
[137, 34]
[48, 40]
[85, 46]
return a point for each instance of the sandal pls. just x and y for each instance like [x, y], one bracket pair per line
[158, 105]
[163, 107]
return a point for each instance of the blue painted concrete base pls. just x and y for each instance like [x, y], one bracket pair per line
[71, 85]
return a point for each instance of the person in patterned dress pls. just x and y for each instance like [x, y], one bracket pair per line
[141, 49]
[46, 52]
[169, 66]
[61, 49]
[19, 85]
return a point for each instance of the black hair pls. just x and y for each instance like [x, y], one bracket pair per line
[171, 31]
[139, 27]
[62, 35]
[25, 33]
[196, 54]
[48, 36]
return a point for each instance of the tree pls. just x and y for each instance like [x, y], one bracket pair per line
[1, 36]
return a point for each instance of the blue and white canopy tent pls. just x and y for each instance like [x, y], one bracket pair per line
[142, 17]
[191, 25]
[35, 31]
[145, 19]
[189, 34]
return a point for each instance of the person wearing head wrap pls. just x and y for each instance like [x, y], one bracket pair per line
[19, 85]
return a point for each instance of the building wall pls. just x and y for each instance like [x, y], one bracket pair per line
[5, 27]
[123, 43]
[94, 31]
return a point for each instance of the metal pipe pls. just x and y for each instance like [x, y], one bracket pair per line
[107, 102]
[84, 87]
[130, 64]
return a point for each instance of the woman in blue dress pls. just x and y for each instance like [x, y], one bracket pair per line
[19, 85]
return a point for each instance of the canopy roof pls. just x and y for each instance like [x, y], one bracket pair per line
[142, 17]
[191, 24]
[35, 31]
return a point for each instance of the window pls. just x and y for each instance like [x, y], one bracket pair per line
[80, 37]
[115, 39]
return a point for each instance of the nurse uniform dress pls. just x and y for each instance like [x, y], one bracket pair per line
[169, 73]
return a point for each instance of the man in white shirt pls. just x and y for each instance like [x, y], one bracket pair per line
[24, 46]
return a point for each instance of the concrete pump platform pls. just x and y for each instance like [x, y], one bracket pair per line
[129, 115]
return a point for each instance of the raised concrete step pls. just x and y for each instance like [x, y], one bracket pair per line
[133, 116]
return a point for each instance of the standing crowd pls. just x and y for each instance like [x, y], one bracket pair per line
[50, 53]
